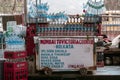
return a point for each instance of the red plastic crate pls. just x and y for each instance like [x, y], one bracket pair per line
[16, 75]
[15, 71]
[15, 66]
[15, 55]
[21, 74]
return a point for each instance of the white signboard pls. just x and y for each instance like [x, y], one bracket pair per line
[65, 53]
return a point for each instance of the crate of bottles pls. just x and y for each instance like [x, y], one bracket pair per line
[16, 75]
[15, 71]
[15, 65]
[66, 31]
[15, 55]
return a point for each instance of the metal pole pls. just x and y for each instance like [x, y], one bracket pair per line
[25, 12]
[39, 1]
[36, 17]
[2, 44]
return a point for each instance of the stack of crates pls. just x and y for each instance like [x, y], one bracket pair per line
[15, 66]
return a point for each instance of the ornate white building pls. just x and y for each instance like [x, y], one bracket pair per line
[111, 23]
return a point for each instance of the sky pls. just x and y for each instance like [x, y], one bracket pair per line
[69, 6]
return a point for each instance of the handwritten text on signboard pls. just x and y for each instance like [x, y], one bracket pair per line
[65, 53]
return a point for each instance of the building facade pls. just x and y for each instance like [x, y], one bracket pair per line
[112, 4]
[111, 23]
